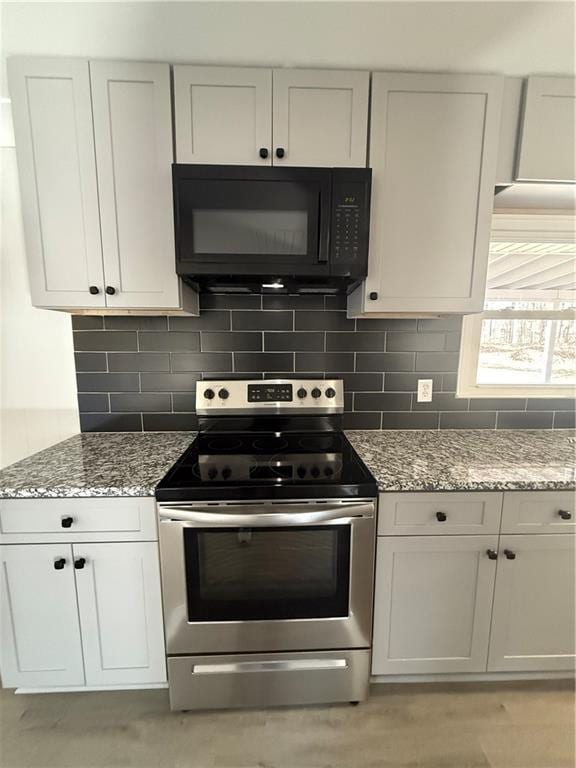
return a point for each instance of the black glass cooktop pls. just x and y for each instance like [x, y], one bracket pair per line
[245, 465]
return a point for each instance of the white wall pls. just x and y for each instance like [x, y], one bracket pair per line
[511, 38]
[38, 405]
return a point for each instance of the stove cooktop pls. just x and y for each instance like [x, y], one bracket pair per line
[267, 465]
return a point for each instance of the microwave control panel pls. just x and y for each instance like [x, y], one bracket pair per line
[350, 221]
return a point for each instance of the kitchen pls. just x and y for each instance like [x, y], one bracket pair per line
[297, 354]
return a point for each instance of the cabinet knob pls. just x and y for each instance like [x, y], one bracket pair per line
[441, 517]
[373, 296]
[66, 522]
[509, 554]
[110, 290]
[492, 554]
[280, 152]
[94, 290]
[59, 563]
[263, 153]
[564, 514]
[80, 563]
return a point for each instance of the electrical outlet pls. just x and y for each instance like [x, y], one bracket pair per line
[425, 390]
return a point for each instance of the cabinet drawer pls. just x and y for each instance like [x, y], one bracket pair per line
[51, 520]
[436, 514]
[539, 512]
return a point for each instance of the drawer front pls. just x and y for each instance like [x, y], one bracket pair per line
[438, 514]
[55, 520]
[271, 679]
[539, 512]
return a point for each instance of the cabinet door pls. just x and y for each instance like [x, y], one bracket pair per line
[320, 117]
[547, 151]
[432, 604]
[57, 169]
[133, 134]
[39, 616]
[433, 152]
[120, 613]
[533, 619]
[223, 115]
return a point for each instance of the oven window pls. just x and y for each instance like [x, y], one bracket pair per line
[267, 573]
[250, 232]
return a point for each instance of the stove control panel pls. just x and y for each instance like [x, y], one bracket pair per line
[273, 396]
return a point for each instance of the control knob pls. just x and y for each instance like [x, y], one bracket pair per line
[330, 392]
[209, 394]
[316, 392]
[212, 473]
[301, 393]
[301, 471]
[315, 472]
[223, 394]
[226, 472]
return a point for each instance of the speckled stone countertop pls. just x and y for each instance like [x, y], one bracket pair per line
[469, 459]
[132, 463]
[96, 464]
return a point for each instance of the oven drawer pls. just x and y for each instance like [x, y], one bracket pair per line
[438, 514]
[80, 519]
[258, 680]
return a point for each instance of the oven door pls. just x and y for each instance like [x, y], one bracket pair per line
[267, 576]
[237, 220]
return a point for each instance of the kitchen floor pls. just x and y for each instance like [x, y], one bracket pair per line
[510, 725]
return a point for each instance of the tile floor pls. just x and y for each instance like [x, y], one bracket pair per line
[505, 725]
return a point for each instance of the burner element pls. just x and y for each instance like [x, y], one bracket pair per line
[316, 442]
[224, 444]
[274, 444]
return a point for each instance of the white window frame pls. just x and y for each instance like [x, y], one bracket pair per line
[508, 227]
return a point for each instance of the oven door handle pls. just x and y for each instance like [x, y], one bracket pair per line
[212, 517]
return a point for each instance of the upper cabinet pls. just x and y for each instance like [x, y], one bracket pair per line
[433, 152]
[133, 138]
[223, 115]
[245, 116]
[94, 147]
[546, 146]
[54, 141]
[320, 117]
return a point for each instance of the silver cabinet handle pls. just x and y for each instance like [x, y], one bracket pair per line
[268, 666]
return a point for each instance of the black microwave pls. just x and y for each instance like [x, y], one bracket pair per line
[249, 229]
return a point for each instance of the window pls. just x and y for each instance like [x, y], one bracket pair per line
[524, 343]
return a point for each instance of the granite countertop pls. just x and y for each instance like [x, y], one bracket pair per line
[132, 463]
[469, 459]
[96, 464]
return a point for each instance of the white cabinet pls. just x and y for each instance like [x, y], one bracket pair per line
[433, 152]
[120, 613]
[74, 612]
[438, 514]
[539, 512]
[55, 148]
[547, 147]
[320, 117]
[432, 605]
[223, 115]
[41, 644]
[533, 622]
[133, 137]
[94, 146]
[250, 116]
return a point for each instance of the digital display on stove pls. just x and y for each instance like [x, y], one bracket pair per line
[269, 393]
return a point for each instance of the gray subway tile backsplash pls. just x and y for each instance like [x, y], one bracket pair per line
[140, 373]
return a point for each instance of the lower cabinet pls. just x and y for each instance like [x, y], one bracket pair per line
[482, 602]
[41, 644]
[81, 614]
[533, 621]
[120, 607]
[433, 604]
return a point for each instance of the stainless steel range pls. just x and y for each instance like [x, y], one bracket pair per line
[267, 535]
